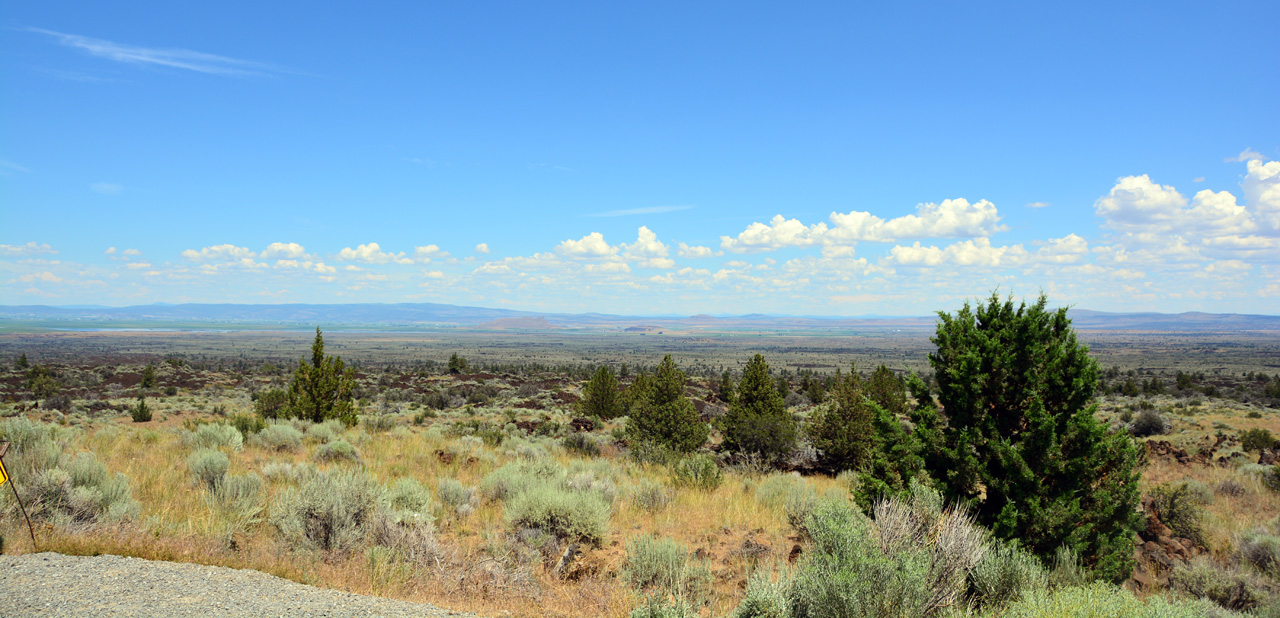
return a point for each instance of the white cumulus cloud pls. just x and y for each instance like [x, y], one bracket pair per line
[693, 251]
[31, 248]
[282, 250]
[372, 254]
[225, 252]
[592, 245]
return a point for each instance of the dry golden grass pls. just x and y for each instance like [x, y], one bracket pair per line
[177, 523]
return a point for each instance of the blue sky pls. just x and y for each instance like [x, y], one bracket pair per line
[646, 158]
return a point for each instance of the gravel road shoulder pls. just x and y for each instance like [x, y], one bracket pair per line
[54, 585]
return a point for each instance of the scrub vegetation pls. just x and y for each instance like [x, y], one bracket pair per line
[1007, 472]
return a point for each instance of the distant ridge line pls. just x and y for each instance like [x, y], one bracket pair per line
[438, 314]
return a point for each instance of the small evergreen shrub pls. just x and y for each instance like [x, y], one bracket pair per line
[272, 403]
[247, 424]
[1148, 423]
[141, 412]
[209, 466]
[284, 471]
[323, 432]
[1257, 439]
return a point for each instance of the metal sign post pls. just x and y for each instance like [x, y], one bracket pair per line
[4, 478]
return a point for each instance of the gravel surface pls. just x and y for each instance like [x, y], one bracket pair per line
[53, 585]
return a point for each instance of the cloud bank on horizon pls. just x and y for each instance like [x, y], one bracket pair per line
[1148, 246]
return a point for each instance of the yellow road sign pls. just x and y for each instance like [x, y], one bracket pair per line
[4, 475]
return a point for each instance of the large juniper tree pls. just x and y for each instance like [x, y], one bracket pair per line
[322, 389]
[758, 420]
[661, 415]
[1021, 441]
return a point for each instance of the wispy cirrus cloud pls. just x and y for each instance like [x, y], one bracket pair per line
[647, 210]
[187, 59]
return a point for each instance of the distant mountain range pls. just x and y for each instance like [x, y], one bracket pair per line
[432, 315]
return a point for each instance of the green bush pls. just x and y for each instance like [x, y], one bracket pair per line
[765, 597]
[279, 437]
[1068, 570]
[913, 560]
[600, 397]
[214, 435]
[659, 413]
[1181, 508]
[1230, 589]
[515, 478]
[569, 515]
[240, 495]
[209, 466]
[338, 450]
[460, 499]
[1021, 441]
[324, 432]
[1102, 601]
[1257, 439]
[1148, 423]
[271, 403]
[664, 564]
[333, 511]
[247, 424]
[699, 472]
[378, 422]
[758, 421]
[409, 501]
[582, 444]
[842, 432]
[141, 413]
[1262, 551]
[56, 486]
[660, 606]
[652, 497]
[1005, 574]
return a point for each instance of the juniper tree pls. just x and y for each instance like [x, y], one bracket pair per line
[1021, 441]
[758, 420]
[148, 376]
[457, 364]
[842, 433]
[322, 389]
[600, 397]
[662, 416]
